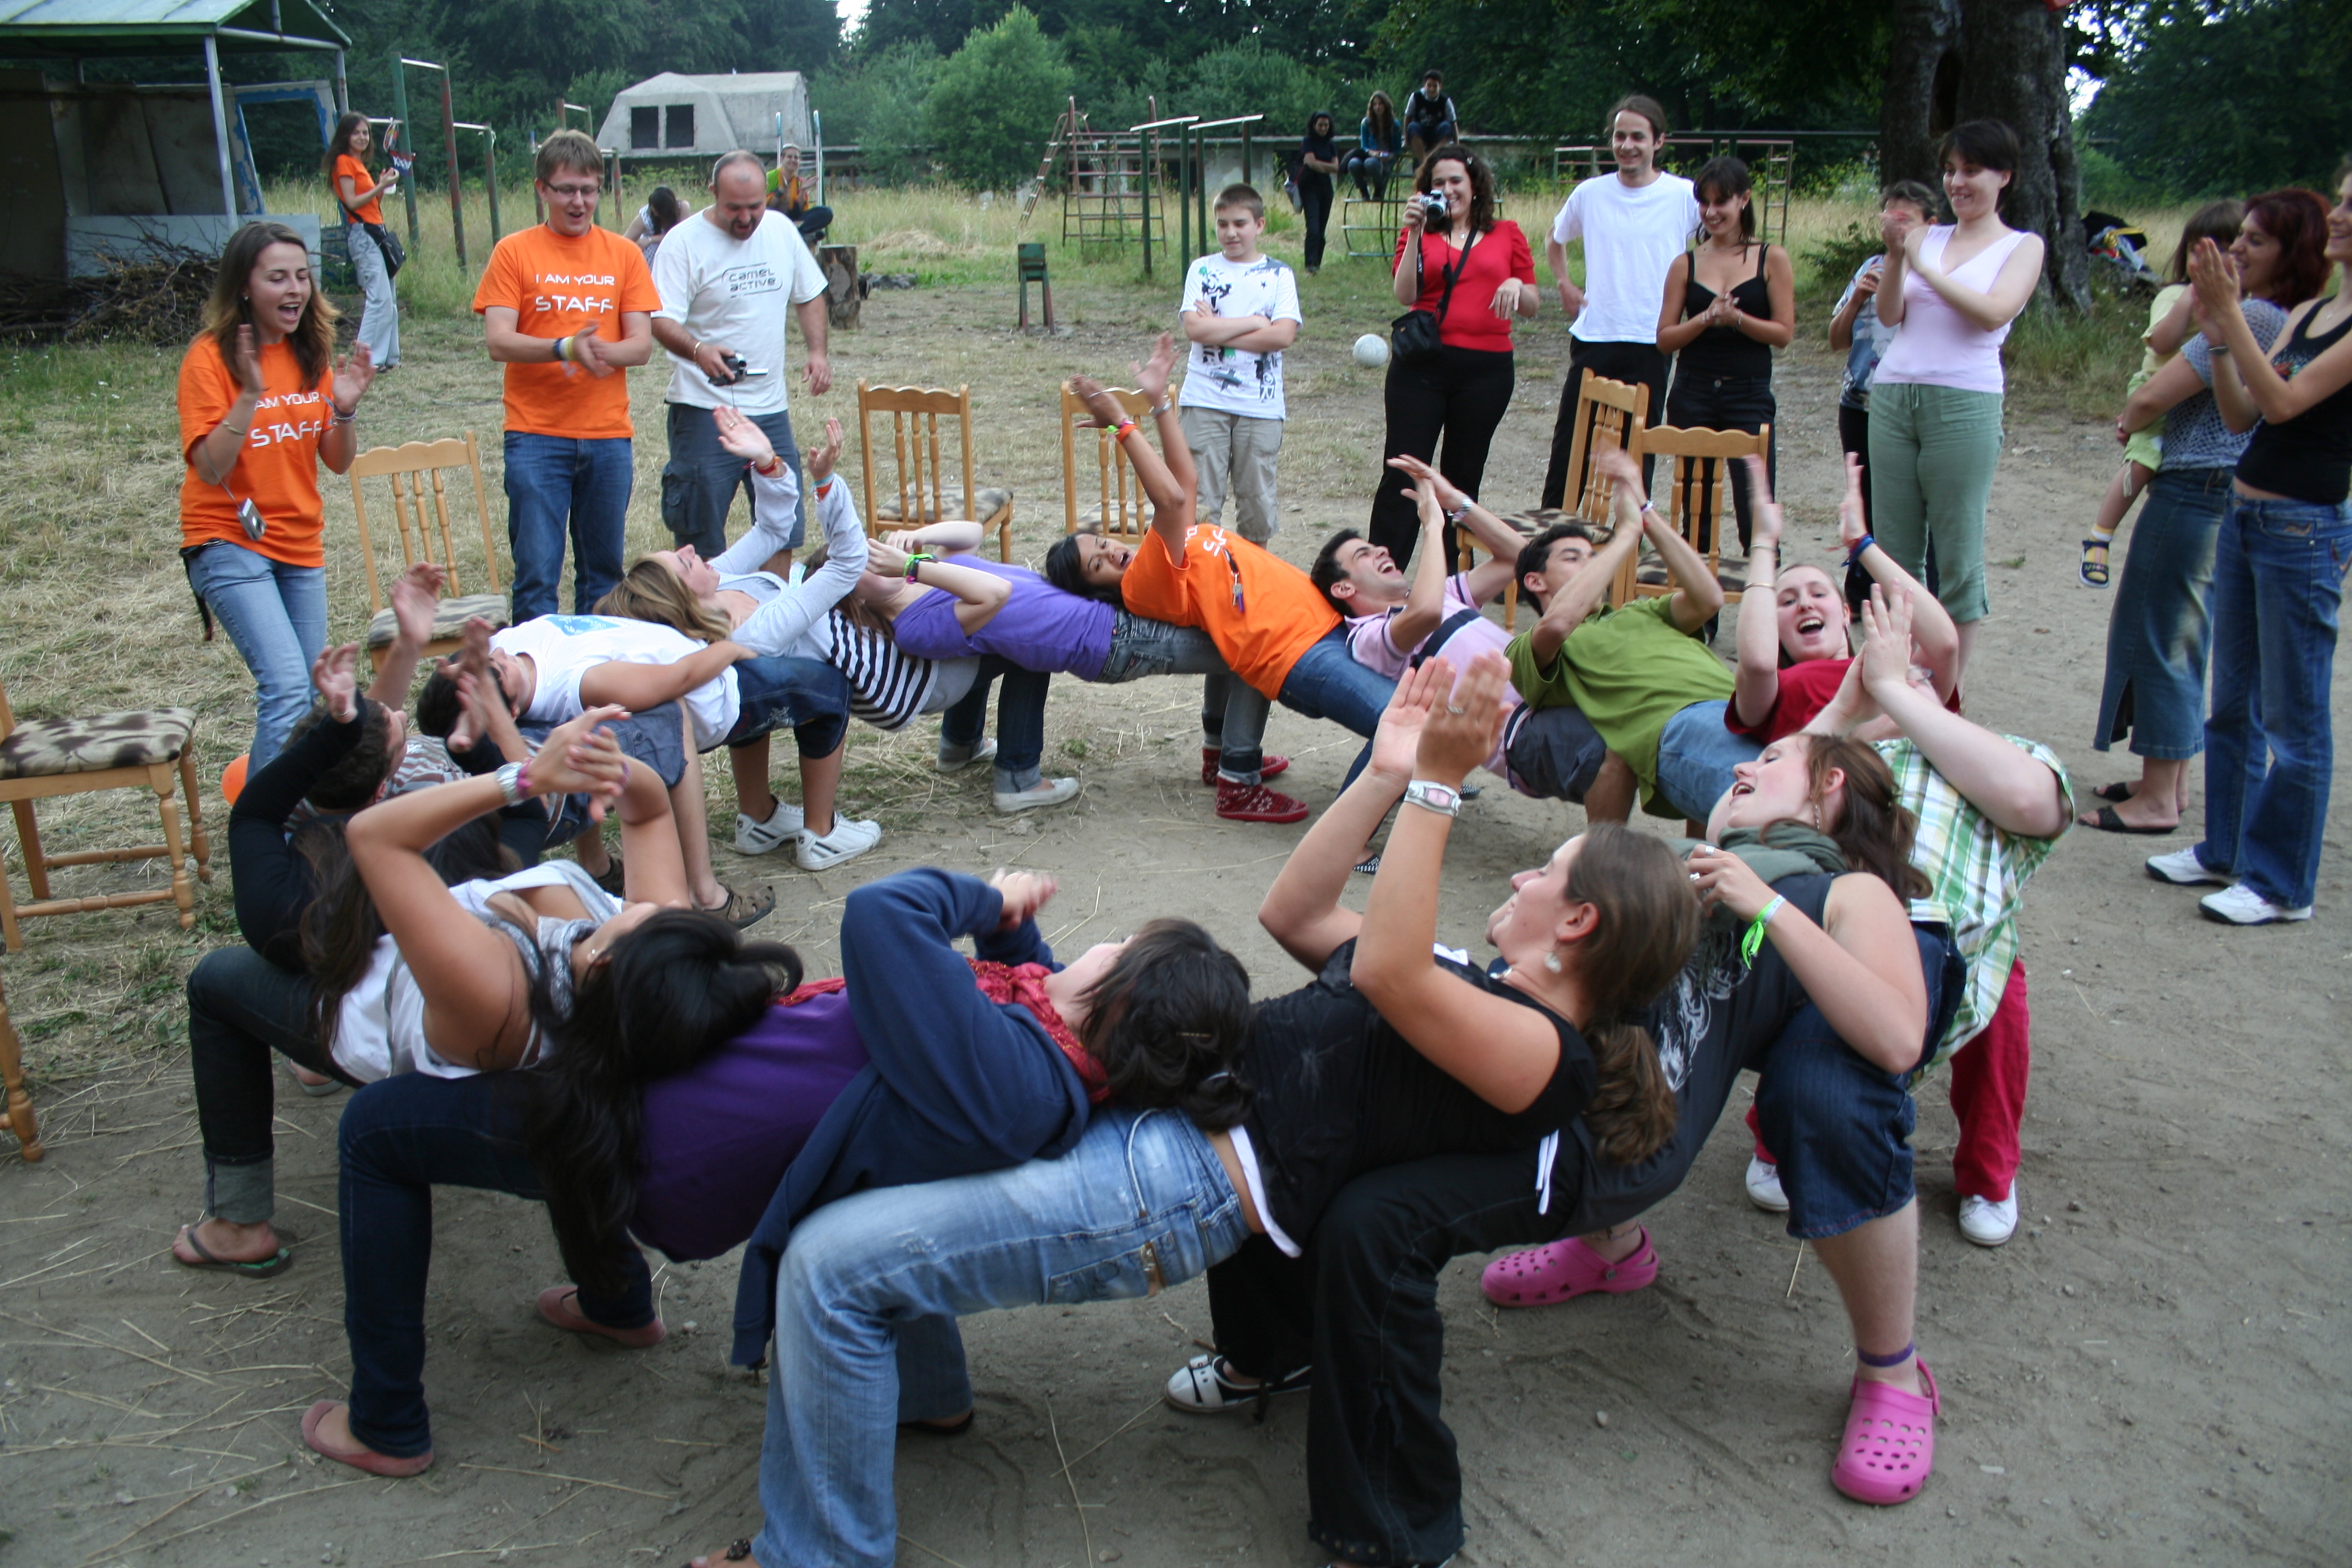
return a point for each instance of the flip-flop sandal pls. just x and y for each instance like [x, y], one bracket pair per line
[320, 1090]
[743, 908]
[1890, 1441]
[252, 1269]
[2118, 792]
[1567, 1268]
[2107, 821]
[366, 1459]
[2094, 574]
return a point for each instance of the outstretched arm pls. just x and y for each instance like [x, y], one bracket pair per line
[1501, 542]
[1572, 605]
[635, 686]
[1758, 690]
[1424, 609]
[1500, 1051]
[1934, 638]
[1169, 482]
[414, 594]
[979, 597]
[1302, 909]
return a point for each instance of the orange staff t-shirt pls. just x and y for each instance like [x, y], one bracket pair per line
[278, 469]
[557, 284]
[349, 168]
[1260, 610]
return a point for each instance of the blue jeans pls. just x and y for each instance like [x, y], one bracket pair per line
[699, 482]
[554, 483]
[276, 616]
[1696, 756]
[870, 1287]
[2270, 750]
[1328, 683]
[401, 1137]
[2161, 631]
[1020, 721]
[807, 693]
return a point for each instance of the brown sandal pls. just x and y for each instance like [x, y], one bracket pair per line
[743, 908]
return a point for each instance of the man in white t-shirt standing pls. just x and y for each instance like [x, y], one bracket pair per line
[1634, 224]
[1240, 312]
[725, 276]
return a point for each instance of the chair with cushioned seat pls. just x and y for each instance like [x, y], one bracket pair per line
[41, 758]
[921, 495]
[1699, 503]
[416, 470]
[1119, 511]
[1608, 414]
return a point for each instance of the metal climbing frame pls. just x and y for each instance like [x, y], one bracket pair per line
[1106, 186]
[1771, 162]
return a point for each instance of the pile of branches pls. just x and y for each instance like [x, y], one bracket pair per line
[155, 298]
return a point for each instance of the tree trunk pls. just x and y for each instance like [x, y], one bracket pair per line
[1923, 73]
[1953, 60]
[2013, 69]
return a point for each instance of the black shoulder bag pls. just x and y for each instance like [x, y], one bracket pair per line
[394, 256]
[1414, 336]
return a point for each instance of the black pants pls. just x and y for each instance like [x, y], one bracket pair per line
[1641, 363]
[1314, 202]
[241, 1008]
[1460, 394]
[1383, 1483]
[1727, 403]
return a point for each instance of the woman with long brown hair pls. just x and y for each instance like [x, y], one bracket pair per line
[375, 255]
[263, 401]
[1379, 142]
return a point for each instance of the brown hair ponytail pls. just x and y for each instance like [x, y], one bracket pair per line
[1648, 923]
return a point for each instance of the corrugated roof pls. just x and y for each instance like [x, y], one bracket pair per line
[26, 20]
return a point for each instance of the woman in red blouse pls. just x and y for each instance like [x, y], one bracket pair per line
[1461, 391]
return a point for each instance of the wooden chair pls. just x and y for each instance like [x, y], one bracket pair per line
[18, 1118]
[1119, 511]
[922, 495]
[1699, 501]
[415, 471]
[1608, 414]
[45, 757]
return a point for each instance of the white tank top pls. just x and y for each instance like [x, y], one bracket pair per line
[1936, 346]
[380, 1027]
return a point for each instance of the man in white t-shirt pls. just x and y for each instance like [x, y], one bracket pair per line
[725, 276]
[1240, 310]
[1634, 224]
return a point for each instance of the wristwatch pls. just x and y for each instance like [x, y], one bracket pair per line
[513, 783]
[1442, 799]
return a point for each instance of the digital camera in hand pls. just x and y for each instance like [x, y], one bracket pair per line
[1434, 208]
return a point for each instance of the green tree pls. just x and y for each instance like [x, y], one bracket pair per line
[995, 101]
[2229, 98]
[877, 106]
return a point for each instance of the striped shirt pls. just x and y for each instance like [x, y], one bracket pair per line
[889, 688]
[1976, 874]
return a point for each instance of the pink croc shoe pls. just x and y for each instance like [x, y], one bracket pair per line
[1890, 1441]
[1567, 1268]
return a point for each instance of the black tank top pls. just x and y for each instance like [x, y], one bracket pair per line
[2308, 457]
[1727, 351]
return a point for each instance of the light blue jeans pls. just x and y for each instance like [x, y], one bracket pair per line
[871, 1286]
[1696, 756]
[276, 615]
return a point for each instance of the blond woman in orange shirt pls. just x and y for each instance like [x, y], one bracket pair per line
[263, 401]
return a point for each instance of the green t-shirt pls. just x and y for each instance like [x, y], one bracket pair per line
[1629, 669]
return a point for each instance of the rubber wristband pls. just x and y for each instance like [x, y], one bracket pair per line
[915, 563]
[1753, 942]
[1853, 556]
[561, 357]
[769, 469]
[1125, 428]
[1883, 1362]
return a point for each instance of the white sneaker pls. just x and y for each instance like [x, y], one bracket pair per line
[784, 824]
[1764, 1185]
[849, 840]
[1045, 792]
[1986, 1223]
[2182, 868]
[2240, 905]
[979, 753]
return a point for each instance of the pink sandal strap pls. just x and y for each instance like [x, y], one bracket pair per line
[1889, 1446]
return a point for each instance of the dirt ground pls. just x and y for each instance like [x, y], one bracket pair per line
[2153, 1371]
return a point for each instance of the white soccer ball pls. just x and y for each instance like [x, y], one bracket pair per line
[1372, 350]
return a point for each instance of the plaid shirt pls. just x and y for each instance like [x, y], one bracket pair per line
[1978, 873]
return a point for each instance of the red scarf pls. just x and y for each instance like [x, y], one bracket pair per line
[1007, 983]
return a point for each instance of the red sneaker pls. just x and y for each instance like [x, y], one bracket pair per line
[1266, 768]
[1255, 803]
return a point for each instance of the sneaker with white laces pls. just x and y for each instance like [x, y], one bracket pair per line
[849, 840]
[1764, 1185]
[1045, 792]
[784, 824]
[2240, 905]
[2183, 870]
[954, 764]
[1986, 1221]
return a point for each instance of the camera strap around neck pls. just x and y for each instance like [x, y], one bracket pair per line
[1452, 273]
